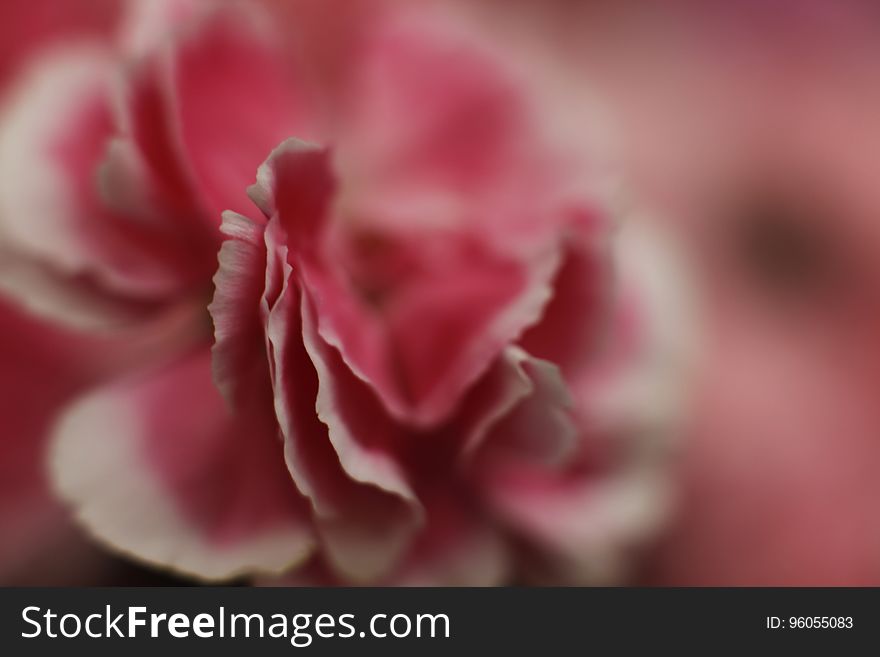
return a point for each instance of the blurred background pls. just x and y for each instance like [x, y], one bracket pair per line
[751, 131]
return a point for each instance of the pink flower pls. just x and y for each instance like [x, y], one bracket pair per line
[423, 371]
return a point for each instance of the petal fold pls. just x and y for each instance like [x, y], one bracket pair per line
[158, 468]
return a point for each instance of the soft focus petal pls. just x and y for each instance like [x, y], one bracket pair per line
[585, 517]
[57, 160]
[540, 429]
[359, 429]
[236, 100]
[344, 465]
[147, 25]
[571, 327]
[75, 303]
[419, 314]
[239, 357]
[582, 529]
[158, 468]
[29, 26]
[452, 198]
[457, 547]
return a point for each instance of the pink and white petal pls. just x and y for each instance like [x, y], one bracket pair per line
[156, 467]
[162, 215]
[55, 131]
[584, 529]
[148, 117]
[61, 95]
[277, 267]
[463, 187]
[148, 24]
[364, 529]
[418, 335]
[145, 181]
[444, 125]
[236, 99]
[457, 547]
[540, 430]
[297, 184]
[498, 392]
[442, 306]
[590, 518]
[639, 383]
[57, 297]
[434, 455]
[362, 434]
[575, 319]
[365, 541]
[239, 356]
[277, 271]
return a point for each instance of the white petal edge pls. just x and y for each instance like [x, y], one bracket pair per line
[95, 466]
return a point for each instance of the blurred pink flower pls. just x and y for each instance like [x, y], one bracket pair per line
[423, 311]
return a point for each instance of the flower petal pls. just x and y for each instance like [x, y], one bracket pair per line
[31, 26]
[584, 528]
[457, 547]
[572, 324]
[56, 158]
[540, 429]
[586, 519]
[157, 467]
[364, 527]
[239, 357]
[359, 429]
[236, 100]
[418, 314]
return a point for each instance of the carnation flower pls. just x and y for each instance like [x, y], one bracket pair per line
[434, 359]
